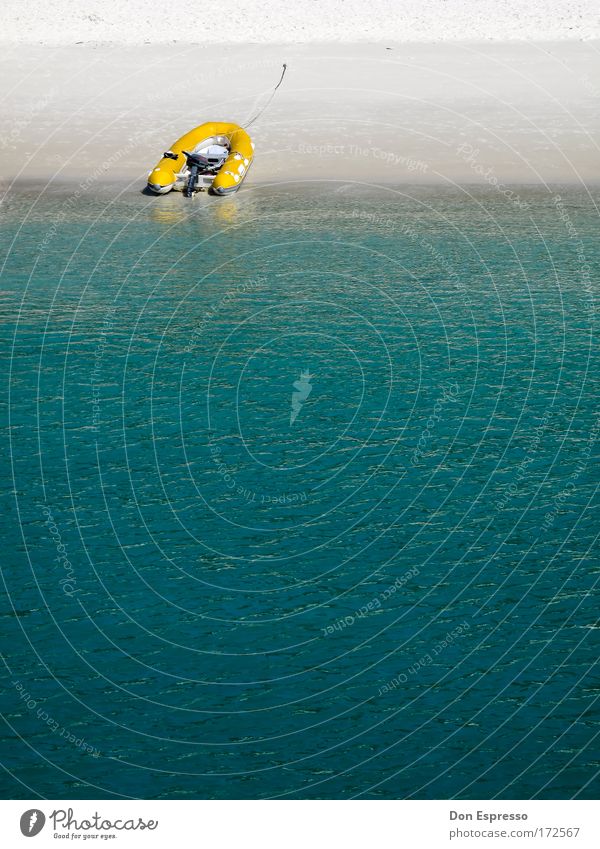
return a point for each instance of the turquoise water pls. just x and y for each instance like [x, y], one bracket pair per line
[302, 490]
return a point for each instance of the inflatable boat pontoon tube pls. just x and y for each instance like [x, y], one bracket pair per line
[171, 171]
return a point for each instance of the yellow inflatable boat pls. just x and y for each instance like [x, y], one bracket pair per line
[216, 156]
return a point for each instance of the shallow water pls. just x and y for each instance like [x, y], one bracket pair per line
[302, 493]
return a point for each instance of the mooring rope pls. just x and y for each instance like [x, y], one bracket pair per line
[269, 100]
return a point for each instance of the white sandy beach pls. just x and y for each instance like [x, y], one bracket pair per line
[304, 21]
[392, 111]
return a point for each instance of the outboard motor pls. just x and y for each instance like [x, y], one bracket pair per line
[208, 162]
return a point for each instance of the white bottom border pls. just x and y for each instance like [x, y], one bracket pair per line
[301, 824]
